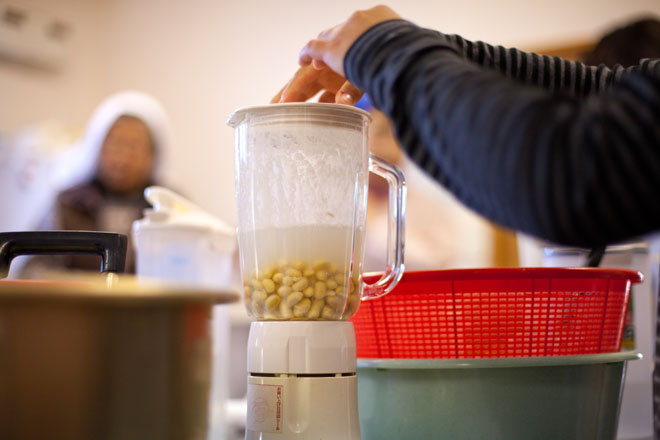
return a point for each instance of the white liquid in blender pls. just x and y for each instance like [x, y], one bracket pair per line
[304, 272]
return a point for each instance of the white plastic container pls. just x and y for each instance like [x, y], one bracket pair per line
[177, 241]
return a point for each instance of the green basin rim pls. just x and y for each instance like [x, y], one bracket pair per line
[541, 361]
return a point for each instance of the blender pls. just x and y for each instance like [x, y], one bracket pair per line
[301, 187]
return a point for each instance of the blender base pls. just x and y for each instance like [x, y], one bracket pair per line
[302, 382]
[294, 407]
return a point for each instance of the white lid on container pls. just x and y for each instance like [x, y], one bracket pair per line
[171, 212]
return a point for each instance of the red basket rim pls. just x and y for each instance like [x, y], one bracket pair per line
[514, 273]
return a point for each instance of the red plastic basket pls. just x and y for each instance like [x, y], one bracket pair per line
[488, 313]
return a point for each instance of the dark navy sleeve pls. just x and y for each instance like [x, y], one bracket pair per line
[574, 168]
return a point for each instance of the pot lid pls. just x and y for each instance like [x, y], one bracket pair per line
[109, 290]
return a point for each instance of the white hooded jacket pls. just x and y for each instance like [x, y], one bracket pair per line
[79, 165]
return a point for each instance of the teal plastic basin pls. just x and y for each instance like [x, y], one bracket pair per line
[553, 398]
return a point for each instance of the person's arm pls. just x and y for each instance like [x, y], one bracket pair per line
[574, 171]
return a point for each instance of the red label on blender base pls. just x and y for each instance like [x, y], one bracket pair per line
[264, 412]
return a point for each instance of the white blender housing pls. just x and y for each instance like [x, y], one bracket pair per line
[302, 381]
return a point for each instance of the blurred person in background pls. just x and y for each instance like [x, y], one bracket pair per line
[122, 152]
[628, 44]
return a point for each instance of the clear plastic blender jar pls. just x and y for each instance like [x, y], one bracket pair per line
[301, 187]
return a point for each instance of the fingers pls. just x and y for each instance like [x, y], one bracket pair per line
[348, 94]
[319, 64]
[301, 87]
[314, 50]
[308, 81]
[298, 95]
[327, 97]
[277, 97]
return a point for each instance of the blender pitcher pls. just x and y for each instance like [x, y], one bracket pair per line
[301, 187]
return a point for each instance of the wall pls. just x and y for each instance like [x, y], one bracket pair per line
[30, 95]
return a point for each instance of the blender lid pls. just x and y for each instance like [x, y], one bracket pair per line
[328, 112]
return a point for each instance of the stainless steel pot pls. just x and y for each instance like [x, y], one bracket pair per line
[102, 358]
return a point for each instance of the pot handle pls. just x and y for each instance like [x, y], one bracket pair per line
[109, 245]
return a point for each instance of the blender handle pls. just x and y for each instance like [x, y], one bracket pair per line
[109, 245]
[396, 221]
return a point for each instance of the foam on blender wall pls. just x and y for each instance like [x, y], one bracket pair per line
[302, 174]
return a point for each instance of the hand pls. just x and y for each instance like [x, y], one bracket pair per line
[308, 81]
[330, 47]
[322, 61]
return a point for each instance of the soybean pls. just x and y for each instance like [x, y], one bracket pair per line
[273, 302]
[269, 285]
[299, 291]
[315, 310]
[294, 298]
[301, 309]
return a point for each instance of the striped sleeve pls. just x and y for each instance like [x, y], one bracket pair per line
[568, 167]
[551, 73]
